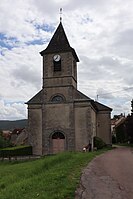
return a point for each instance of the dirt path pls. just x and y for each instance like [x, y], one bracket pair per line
[109, 176]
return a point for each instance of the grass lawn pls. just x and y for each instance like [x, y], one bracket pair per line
[125, 144]
[51, 177]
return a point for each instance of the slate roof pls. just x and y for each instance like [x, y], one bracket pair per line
[59, 43]
[37, 99]
[97, 106]
[102, 107]
[79, 95]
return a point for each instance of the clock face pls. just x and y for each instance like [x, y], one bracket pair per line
[57, 58]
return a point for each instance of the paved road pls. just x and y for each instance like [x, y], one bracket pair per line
[109, 176]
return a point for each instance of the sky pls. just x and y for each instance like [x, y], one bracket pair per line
[100, 31]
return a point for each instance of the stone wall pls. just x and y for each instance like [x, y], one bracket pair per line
[67, 75]
[35, 128]
[58, 117]
[104, 126]
[83, 128]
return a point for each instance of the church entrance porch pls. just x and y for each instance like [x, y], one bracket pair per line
[58, 142]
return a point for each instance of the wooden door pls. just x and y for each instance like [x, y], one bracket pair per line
[58, 145]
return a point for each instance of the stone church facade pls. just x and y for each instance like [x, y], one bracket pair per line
[61, 118]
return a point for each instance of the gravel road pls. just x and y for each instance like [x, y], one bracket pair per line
[108, 176]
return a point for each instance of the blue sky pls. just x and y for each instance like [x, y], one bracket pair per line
[100, 32]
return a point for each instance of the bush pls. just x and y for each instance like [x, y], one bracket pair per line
[99, 143]
[4, 143]
[114, 141]
[16, 151]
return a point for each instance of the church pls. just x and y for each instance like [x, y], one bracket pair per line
[60, 117]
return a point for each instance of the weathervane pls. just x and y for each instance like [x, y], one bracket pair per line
[60, 14]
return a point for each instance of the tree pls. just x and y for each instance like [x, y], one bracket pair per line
[3, 142]
[129, 127]
[121, 135]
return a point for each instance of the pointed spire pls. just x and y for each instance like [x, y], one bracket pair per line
[59, 43]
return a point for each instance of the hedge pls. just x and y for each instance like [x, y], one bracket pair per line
[16, 151]
[99, 143]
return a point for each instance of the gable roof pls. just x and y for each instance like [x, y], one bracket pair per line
[79, 95]
[101, 107]
[59, 43]
[37, 99]
[97, 106]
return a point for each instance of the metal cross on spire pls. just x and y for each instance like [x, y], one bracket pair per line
[60, 14]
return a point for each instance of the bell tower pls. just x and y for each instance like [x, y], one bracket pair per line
[59, 62]
[59, 83]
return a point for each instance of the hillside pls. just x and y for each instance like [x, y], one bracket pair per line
[52, 177]
[10, 125]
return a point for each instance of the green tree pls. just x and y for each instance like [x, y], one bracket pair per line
[129, 128]
[121, 134]
[4, 143]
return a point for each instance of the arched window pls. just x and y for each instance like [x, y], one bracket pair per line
[58, 135]
[57, 99]
[57, 66]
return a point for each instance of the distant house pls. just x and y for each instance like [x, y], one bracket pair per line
[120, 125]
[19, 137]
[6, 134]
[116, 121]
[60, 117]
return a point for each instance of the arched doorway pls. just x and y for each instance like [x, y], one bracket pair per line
[58, 142]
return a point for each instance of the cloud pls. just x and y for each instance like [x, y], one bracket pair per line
[99, 31]
[12, 111]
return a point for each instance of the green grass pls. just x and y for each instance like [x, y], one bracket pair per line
[51, 177]
[125, 144]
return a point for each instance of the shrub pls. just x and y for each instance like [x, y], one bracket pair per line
[99, 143]
[4, 143]
[16, 151]
[114, 141]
